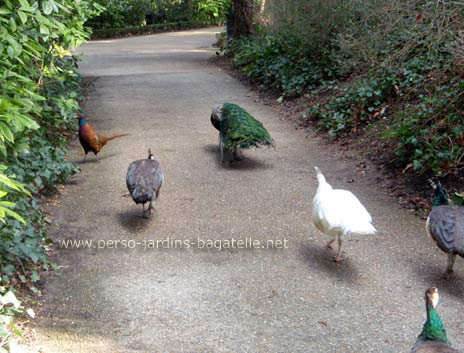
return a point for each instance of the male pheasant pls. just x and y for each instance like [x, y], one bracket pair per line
[90, 140]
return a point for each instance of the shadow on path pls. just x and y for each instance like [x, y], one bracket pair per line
[134, 220]
[433, 277]
[319, 259]
[247, 163]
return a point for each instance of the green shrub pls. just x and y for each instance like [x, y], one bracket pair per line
[38, 100]
[125, 14]
[121, 13]
[283, 67]
[404, 55]
[157, 28]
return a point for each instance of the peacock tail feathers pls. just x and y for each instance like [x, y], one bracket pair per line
[239, 129]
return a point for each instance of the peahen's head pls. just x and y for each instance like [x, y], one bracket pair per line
[150, 155]
[320, 176]
[431, 296]
[433, 329]
[440, 195]
[216, 114]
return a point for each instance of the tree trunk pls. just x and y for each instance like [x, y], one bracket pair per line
[263, 5]
[242, 18]
[189, 9]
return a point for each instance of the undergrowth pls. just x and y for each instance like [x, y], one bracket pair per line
[39, 97]
[395, 65]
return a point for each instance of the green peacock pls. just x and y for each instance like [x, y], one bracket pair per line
[238, 130]
[433, 337]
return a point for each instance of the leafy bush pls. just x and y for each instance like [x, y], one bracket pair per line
[430, 135]
[406, 55]
[38, 100]
[121, 13]
[139, 30]
[274, 64]
[210, 10]
[125, 14]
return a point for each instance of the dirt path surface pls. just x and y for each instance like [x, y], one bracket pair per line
[160, 89]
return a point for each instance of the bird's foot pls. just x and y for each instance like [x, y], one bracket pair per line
[149, 210]
[338, 259]
[448, 274]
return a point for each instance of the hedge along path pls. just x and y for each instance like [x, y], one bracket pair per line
[160, 89]
[150, 29]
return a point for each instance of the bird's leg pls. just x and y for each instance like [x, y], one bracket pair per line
[150, 208]
[237, 154]
[338, 258]
[221, 146]
[329, 244]
[83, 159]
[449, 270]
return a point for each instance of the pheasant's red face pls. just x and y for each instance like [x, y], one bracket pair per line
[78, 116]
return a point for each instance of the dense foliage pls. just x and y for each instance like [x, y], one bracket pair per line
[396, 65]
[149, 29]
[38, 100]
[135, 13]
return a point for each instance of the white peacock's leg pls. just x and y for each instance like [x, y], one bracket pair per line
[340, 242]
[329, 244]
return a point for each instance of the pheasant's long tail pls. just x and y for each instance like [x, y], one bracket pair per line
[104, 139]
[115, 136]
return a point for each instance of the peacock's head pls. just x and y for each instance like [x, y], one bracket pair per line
[431, 296]
[320, 176]
[150, 155]
[216, 114]
[440, 195]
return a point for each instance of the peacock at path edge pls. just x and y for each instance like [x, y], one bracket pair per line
[238, 130]
[445, 226]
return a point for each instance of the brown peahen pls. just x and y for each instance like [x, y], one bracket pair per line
[433, 337]
[92, 141]
[238, 130]
[144, 179]
[445, 226]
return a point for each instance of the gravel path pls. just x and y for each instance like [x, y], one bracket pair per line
[160, 89]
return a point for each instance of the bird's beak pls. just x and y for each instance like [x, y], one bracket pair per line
[317, 170]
